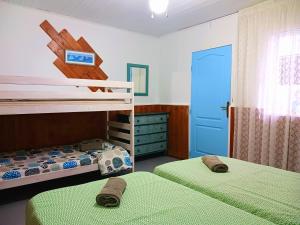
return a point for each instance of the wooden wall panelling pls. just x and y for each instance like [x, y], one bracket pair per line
[7, 132]
[35, 131]
[231, 132]
[45, 130]
[178, 131]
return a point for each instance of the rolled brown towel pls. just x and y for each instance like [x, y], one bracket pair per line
[215, 164]
[111, 193]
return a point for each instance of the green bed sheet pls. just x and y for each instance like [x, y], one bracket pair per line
[267, 192]
[148, 199]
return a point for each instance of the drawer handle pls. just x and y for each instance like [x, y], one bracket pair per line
[137, 131]
[138, 140]
[161, 128]
[137, 121]
[161, 118]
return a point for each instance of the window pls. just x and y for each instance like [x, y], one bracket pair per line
[290, 70]
[280, 88]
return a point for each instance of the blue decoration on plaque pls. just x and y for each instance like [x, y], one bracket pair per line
[82, 58]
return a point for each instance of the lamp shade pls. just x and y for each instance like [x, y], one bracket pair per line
[158, 6]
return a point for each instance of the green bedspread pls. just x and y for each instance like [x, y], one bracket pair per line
[148, 199]
[270, 193]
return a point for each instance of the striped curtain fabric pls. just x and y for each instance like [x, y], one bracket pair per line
[267, 122]
[266, 139]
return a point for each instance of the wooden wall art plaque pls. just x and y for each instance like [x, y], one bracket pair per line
[62, 41]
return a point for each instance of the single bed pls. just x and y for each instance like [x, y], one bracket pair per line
[267, 192]
[148, 199]
[19, 165]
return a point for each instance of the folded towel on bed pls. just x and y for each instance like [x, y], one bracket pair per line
[111, 193]
[215, 164]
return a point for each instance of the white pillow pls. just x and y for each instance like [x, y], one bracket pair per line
[113, 161]
[91, 145]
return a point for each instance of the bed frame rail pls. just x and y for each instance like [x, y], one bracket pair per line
[33, 100]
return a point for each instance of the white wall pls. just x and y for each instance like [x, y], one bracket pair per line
[176, 56]
[24, 48]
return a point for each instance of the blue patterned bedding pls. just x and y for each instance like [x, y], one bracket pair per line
[22, 163]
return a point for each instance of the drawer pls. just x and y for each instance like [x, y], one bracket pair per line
[145, 139]
[150, 119]
[140, 150]
[140, 120]
[150, 148]
[148, 129]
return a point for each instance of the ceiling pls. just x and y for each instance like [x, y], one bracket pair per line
[134, 15]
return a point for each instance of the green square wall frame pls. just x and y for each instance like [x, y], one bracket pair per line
[139, 74]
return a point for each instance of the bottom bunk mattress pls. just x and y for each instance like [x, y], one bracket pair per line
[148, 199]
[15, 166]
[267, 192]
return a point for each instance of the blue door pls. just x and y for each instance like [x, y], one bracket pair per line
[211, 72]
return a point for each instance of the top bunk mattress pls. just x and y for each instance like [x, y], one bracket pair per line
[148, 199]
[267, 192]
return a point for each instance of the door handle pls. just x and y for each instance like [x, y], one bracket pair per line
[226, 108]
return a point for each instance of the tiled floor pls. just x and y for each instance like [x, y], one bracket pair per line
[14, 213]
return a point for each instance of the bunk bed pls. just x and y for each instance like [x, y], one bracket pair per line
[36, 95]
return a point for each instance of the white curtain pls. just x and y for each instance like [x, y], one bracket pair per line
[267, 124]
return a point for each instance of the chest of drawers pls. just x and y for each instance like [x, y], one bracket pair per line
[150, 132]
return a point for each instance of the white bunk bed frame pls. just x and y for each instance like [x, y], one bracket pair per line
[13, 102]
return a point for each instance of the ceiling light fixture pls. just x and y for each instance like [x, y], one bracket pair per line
[158, 7]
